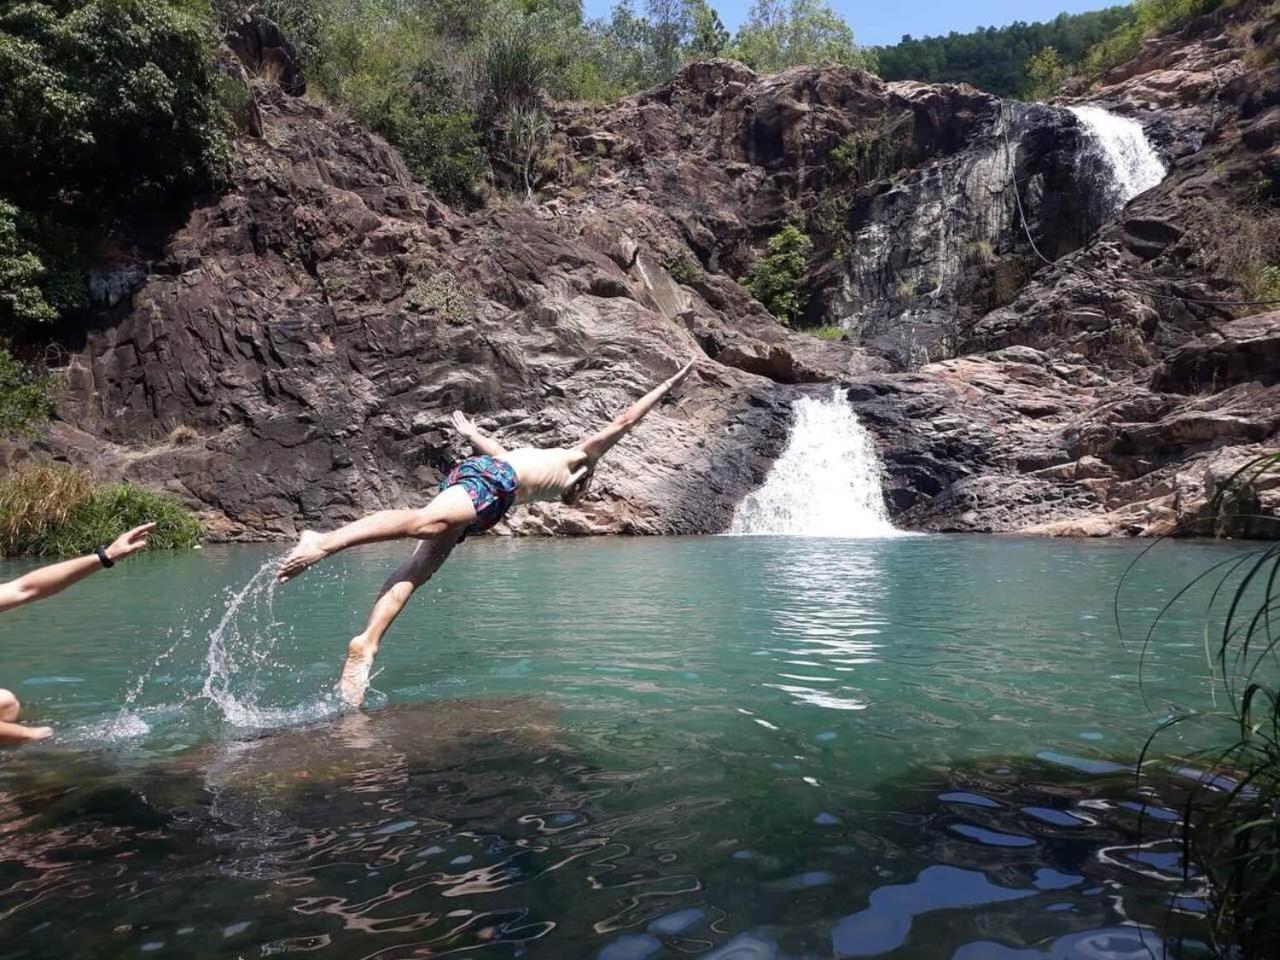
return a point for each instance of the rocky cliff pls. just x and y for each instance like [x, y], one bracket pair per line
[316, 323]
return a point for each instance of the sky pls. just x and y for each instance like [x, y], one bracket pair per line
[885, 21]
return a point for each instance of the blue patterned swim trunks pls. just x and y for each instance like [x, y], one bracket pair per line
[491, 485]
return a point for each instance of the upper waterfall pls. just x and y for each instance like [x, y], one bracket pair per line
[1133, 162]
[827, 483]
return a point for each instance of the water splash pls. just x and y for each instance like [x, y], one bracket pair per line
[240, 659]
[827, 483]
[1135, 167]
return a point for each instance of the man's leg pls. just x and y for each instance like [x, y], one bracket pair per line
[413, 573]
[10, 730]
[450, 508]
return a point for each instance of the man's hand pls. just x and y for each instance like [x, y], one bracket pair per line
[129, 542]
[676, 380]
[483, 444]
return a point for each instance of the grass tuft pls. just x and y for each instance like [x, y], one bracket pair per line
[1231, 818]
[832, 332]
[183, 436]
[51, 510]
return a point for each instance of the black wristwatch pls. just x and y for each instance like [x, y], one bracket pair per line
[102, 556]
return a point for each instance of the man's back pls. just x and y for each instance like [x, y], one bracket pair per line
[545, 473]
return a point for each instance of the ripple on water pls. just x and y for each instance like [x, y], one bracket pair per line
[886, 923]
[628, 804]
[1114, 943]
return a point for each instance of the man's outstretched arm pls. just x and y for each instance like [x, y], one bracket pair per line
[483, 443]
[597, 445]
[56, 577]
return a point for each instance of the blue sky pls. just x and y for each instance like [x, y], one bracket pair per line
[887, 20]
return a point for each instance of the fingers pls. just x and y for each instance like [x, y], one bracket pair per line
[682, 373]
[138, 535]
[130, 542]
[290, 567]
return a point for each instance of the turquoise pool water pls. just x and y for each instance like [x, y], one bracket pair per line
[628, 748]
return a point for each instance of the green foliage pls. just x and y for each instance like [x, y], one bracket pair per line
[56, 511]
[410, 100]
[1263, 282]
[865, 156]
[513, 70]
[106, 107]
[108, 102]
[710, 38]
[1240, 243]
[981, 252]
[22, 274]
[526, 130]
[996, 59]
[682, 268]
[26, 398]
[1230, 829]
[783, 33]
[1046, 72]
[1121, 45]
[777, 278]
[831, 332]
[636, 51]
[441, 294]
[1149, 17]
[235, 100]
[829, 217]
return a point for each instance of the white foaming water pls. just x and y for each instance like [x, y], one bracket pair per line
[1134, 164]
[827, 483]
[240, 656]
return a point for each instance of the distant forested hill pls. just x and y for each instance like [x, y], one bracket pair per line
[995, 59]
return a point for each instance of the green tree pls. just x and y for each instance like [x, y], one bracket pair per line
[671, 26]
[996, 60]
[1045, 73]
[106, 102]
[22, 299]
[107, 107]
[777, 278]
[780, 34]
[710, 38]
[26, 398]
[1150, 17]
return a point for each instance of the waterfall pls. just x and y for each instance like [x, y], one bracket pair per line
[827, 483]
[1127, 153]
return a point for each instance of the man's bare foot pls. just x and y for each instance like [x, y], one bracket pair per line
[355, 672]
[17, 733]
[309, 550]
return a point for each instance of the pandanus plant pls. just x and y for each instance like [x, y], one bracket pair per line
[1230, 827]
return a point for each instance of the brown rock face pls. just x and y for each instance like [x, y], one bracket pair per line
[317, 323]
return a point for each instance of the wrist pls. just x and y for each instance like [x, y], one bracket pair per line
[105, 556]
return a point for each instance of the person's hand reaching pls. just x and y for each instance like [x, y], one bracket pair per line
[684, 371]
[129, 542]
[463, 425]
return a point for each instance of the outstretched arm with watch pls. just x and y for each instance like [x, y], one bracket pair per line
[45, 582]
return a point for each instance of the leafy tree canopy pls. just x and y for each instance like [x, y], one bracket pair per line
[995, 59]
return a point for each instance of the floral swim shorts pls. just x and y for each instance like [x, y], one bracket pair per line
[491, 485]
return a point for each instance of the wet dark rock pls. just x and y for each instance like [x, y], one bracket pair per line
[1147, 237]
[266, 52]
